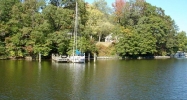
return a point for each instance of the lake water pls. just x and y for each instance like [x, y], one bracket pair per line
[103, 80]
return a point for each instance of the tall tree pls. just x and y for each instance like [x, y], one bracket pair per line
[98, 23]
[55, 2]
[60, 22]
[102, 6]
[182, 41]
[154, 31]
[118, 7]
[5, 17]
[22, 24]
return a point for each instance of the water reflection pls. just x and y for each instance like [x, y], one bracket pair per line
[39, 71]
[75, 75]
[109, 80]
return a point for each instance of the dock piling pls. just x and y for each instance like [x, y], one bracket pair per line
[88, 57]
[94, 57]
[39, 57]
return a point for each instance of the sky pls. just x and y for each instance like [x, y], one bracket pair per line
[176, 9]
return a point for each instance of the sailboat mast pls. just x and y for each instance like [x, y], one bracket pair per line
[75, 30]
[76, 24]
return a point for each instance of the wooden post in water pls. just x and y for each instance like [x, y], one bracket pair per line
[89, 57]
[39, 57]
[94, 57]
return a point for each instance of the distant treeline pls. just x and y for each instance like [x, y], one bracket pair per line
[28, 27]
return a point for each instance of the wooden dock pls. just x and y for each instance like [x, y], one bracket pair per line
[58, 58]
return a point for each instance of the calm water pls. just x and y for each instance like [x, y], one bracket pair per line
[105, 79]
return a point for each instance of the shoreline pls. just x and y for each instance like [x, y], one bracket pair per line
[149, 57]
[100, 58]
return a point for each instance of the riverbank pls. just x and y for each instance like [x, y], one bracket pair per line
[162, 57]
[148, 57]
[98, 57]
[3, 57]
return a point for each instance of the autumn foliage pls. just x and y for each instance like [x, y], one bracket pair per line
[118, 7]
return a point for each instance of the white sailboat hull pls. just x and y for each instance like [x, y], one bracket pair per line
[77, 59]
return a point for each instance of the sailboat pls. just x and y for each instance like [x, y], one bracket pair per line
[77, 57]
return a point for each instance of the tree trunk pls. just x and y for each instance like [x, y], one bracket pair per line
[91, 37]
[99, 37]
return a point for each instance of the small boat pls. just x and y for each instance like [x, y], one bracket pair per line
[77, 59]
[180, 54]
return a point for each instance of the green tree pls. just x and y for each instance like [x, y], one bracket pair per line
[22, 25]
[5, 16]
[98, 23]
[182, 41]
[60, 24]
[102, 6]
[152, 32]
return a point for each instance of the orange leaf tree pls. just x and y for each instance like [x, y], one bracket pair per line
[118, 7]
